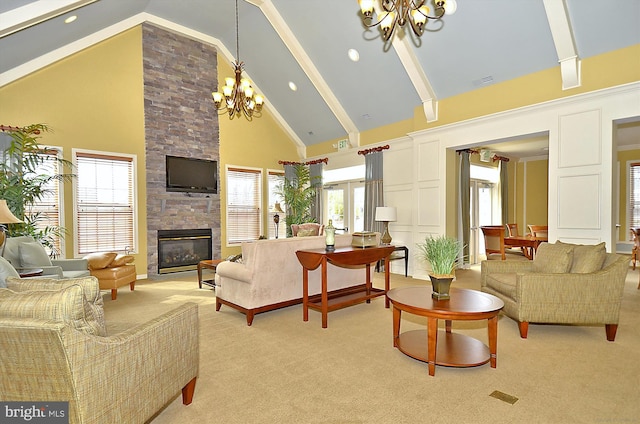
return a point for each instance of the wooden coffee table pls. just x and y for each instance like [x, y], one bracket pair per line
[209, 264]
[444, 347]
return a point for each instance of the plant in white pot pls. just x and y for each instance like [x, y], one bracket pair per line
[443, 254]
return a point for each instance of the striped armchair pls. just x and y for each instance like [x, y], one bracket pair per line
[564, 284]
[124, 378]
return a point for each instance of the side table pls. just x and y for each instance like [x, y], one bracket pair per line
[209, 264]
[394, 257]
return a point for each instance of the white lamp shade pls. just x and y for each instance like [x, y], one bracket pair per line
[386, 213]
[6, 217]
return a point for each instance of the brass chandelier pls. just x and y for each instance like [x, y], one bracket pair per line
[398, 12]
[238, 96]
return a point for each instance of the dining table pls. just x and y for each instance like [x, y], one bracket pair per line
[527, 242]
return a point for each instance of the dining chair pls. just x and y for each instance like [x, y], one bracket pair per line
[635, 233]
[494, 244]
[539, 230]
[512, 229]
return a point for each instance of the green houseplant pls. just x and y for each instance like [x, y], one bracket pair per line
[443, 254]
[298, 195]
[23, 184]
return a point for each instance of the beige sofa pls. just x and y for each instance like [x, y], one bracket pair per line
[564, 284]
[54, 348]
[270, 276]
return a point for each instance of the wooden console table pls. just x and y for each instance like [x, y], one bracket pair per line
[343, 256]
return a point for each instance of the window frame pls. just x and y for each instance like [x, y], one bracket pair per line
[125, 157]
[630, 199]
[259, 213]
[271, 199]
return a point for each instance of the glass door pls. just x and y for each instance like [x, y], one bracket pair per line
[344, 205]
[482, 213]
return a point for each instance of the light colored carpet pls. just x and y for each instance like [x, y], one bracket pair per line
[284, 370]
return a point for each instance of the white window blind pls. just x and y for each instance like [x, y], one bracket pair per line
[634, 197]
[105, 203]
[243, 204]
[275, 179]
[47, 208]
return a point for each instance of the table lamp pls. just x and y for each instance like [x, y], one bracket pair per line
[6, 217]
[276, 218]
[386, 214]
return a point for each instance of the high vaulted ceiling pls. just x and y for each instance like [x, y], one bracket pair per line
[306, 42]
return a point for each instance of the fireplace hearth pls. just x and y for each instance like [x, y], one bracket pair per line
[181, 250]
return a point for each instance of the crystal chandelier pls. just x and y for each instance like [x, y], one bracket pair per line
[238, 97]
[399, 12]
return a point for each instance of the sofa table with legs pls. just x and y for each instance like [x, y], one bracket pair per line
[445, 348]
[343, 256]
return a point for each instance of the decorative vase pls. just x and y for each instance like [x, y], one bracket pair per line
[330, 237]
[441, 285]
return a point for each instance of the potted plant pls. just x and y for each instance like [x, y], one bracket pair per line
[23, 184]
[443, 254]
[298, 195]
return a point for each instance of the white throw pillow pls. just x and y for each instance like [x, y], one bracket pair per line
[33, 255]
[6, 270]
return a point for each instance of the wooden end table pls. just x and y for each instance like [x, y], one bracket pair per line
[444, 347]
[209, 264]
[31, 272]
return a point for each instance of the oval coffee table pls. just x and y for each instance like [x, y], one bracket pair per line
[444, 347]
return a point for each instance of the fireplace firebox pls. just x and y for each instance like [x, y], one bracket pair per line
[181, 250]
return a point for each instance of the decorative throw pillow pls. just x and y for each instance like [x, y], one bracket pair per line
[68, 305]
[307, 232]
[33, 255]
[90, 289]
[588, 258]
[6, 271]
[100, 260]
[553, 258]
[121, 260]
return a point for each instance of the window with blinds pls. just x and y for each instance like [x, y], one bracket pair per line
[244, 196]
[105, 210]
[275, 179]
[634, 197]
[45, 213]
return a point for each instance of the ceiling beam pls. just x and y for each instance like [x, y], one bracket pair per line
[417, 76]
[562, 34]
[307, 65]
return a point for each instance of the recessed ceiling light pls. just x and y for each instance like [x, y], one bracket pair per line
[354, 55]
[70, 19]
[293, 86]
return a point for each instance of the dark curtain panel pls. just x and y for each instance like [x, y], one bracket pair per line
[373, 194]
[315, 173]
[504, 191]
[465, 203]
[289, 174]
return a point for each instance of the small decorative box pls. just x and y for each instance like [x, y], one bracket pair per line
[364, 239]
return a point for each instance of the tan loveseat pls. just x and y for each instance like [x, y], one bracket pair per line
[270, 275]
[54, 348]
[564, 284]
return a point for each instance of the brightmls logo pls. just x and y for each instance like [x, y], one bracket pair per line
[34, 412]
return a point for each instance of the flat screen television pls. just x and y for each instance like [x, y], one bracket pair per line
[192, 175]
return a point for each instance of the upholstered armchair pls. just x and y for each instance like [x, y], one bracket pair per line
[564, 284]
[307, 229]
[25, 252]
[54, 350]
[112, 270]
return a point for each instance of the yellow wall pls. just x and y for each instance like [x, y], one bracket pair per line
[532, 193]
[260, 143]
[95, 100]
[90, 100]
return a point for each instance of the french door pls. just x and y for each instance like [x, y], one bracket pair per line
[483, 212]
[344, 206]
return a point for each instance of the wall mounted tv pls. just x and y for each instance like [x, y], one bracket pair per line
[192, 175]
